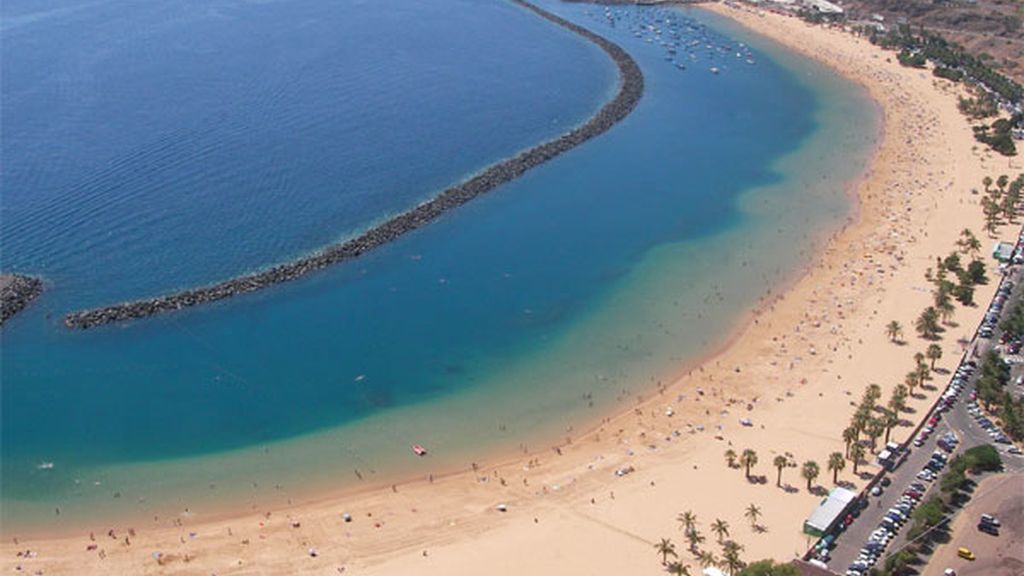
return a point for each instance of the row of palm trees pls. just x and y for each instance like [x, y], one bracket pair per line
[809, 470]
[1001, 202]
[729, 561]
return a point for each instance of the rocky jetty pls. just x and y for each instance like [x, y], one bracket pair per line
[16, 292]
[631, 87]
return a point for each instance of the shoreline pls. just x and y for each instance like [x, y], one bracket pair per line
[480, 528]
[630, 90]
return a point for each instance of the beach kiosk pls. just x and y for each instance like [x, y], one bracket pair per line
[1002, 251]
[828, 512]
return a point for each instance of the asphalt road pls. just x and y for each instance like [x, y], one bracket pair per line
[956, 419]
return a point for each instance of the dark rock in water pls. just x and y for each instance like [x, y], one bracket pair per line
[631, 88]
[16, 291]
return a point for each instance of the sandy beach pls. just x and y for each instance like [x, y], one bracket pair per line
[795, 370]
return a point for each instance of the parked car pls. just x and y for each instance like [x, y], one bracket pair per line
[988, 528]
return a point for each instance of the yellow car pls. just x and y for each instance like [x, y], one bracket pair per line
[965, 554]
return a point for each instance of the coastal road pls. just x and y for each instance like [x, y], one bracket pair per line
[956, 419]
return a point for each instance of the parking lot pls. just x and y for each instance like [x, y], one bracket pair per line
[1001, 555]
[879, 530]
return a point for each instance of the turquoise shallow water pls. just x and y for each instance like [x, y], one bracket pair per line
[210, 139]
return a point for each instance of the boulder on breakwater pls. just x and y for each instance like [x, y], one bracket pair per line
[16, 292]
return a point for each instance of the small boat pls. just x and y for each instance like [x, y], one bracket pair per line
[45, 466]
[419, 450]
[714, 70]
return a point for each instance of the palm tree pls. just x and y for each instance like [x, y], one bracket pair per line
[911, 382]
[934, 353]
[968, 243]
[720, 528]
[731, 556]
[695, 538]
[875, 429]
[987, 183]
[898, 401]
[927, 324]
[850, 435]
[730, 458]
[677, 569]
[810, 471]
[780, 462]
[991, 210]
[894, 330]
[1001, 182]
[923, 373]
[872, 394]
[856, 454]
[687, 521]
[753, 512]
[919, 359]
[748, 459]
[946, 310]
[666, 548]
[890, 419]
[971, 243]
[707, 559]
[860, 418]
[836, 462]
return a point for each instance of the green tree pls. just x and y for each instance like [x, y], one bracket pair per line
[911, 381]
[968, 243]
[730, 458]
[934, 353]
[731, 556]
[769, 568]
[720, 528]
[677, 569]
[890, 419]
[850, 435]
[695, 538]
[871, 395]
[748, 459]
[894, 330]
[876, 427]
[666, 548]
[752, 513]
[780, 462]
[856, 455]
[976, 272]
[810, 471]
[965, 294]
[687, 521]
[991, 210]
[707, 559]
[836, 463]
[927, 324]
[898, 400]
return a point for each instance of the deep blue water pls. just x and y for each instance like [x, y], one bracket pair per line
[151, 146]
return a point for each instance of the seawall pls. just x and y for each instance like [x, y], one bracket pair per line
[631, 87]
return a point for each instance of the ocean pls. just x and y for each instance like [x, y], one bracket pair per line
[150, 147]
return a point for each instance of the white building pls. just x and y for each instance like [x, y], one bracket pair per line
[824, 6]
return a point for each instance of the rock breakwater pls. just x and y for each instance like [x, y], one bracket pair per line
[631, 87]
[16, 292]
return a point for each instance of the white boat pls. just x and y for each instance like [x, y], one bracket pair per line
[45, 466]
